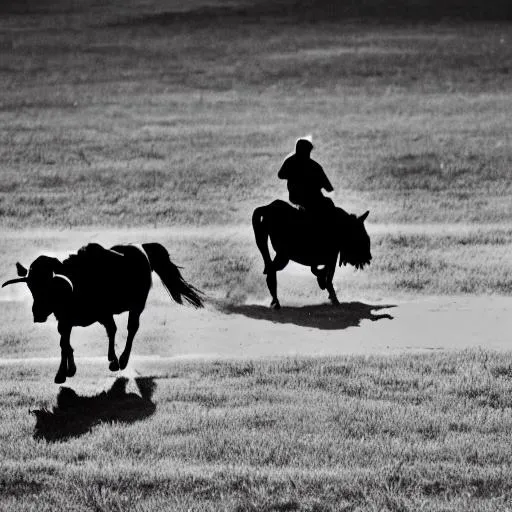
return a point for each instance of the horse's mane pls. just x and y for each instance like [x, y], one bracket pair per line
[346, 219]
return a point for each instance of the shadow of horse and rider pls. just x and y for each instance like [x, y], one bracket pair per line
[321, 316]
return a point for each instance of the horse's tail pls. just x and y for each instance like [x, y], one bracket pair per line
[170, 275]
[261, 234]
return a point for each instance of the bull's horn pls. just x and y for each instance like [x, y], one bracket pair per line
[365, 214]
[17, 280]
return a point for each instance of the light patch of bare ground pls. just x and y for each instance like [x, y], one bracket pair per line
[237, 321]
[415, 295]
[251, 329]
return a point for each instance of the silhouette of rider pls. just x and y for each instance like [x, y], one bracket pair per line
[306, 179]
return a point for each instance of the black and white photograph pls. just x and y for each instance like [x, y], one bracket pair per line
[256, 255]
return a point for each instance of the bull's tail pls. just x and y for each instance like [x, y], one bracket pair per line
[171, 277]
[261, 234]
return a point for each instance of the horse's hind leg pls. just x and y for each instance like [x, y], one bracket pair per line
[261, 235]
[329, 276]
[133, 327]
[111, 329]
[277, 264]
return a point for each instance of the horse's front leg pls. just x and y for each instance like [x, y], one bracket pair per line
[111, 328]
[67, 366]
[329, 276]
[272, 287]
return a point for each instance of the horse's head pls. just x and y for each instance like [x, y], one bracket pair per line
[354, 240]
[48, 289]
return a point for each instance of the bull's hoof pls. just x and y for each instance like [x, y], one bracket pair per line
[275, 305]
[123, 361]
[321, 278]
[113, 366]
[60, 378]
[334, 301]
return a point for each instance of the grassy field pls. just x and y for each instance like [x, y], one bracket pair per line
[141, 113]
[137, 114]
[152, 114]
[138, 120]
[408, 433]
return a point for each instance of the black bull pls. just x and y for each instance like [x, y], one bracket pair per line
[95, 284]
[315, 242]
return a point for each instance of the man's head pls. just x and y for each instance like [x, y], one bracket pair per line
[303, 147]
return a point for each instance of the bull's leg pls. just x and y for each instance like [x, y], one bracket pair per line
[321, 275]
[67, 366]
[71, 363]
[329, 276]
[111, 328]
[133, 327]
[279, 263]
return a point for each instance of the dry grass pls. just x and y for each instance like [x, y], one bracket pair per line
[377, 433]
[137, 114]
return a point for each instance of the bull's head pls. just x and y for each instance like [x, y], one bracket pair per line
[355, 242]
[47, 290]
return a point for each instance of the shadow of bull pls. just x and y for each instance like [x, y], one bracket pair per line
[75, 415]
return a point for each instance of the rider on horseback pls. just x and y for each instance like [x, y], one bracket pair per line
[306, 179]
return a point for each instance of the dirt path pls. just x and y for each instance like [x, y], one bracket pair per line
[253, 330]
[433, 323]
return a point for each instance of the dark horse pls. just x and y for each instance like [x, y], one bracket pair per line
[95, 284]
[295, 236]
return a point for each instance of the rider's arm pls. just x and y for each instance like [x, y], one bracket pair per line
[324, 180]
[284, 172]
